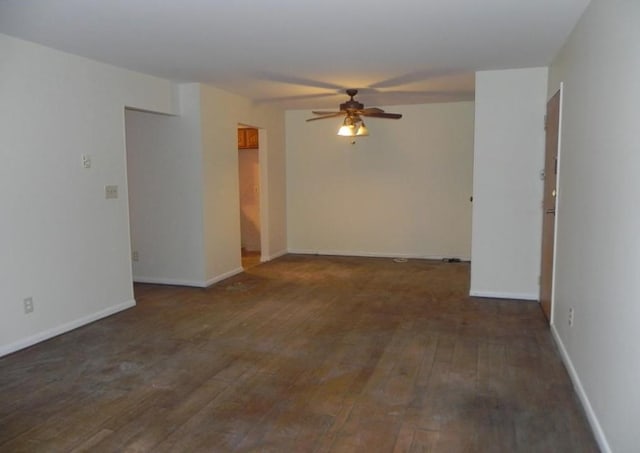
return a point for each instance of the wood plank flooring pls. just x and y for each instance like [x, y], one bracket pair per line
[302, 354]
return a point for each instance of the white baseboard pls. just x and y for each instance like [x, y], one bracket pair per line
[55, 331]
[194, 283]
[503, 295]
[416, 256]
[169, 281]
[273, 256]
[601, 439]
[224, 276]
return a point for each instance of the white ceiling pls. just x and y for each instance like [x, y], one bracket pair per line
[301, 53]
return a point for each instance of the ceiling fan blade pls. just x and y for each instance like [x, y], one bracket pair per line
[326, 116]
[354, 109]
[370, 110]
[393, 116]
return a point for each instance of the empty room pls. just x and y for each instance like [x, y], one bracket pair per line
[326, 227]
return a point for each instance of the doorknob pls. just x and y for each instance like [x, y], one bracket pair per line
[550, 211]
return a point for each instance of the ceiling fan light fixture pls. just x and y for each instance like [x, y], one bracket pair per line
[347, 131]
[362, 130]
[348, 128]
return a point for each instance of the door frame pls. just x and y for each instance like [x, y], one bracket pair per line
[263, 146]
[263, 191]
[552, 277]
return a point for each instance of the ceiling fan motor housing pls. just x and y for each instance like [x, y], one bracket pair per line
[352, 104]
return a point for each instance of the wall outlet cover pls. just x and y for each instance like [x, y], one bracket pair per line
[28, 305]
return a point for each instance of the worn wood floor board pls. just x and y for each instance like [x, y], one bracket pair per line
[302, 354]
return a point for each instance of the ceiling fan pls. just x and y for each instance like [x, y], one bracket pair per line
[353, 111]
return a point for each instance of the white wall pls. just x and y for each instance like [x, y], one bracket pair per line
[402, 191]
[62, 243]
[164, 168]
[221, 113]
[507, 189]
[185, 187]
[598, 245]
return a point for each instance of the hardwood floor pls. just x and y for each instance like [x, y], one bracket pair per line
[302, 354]
[250, 259]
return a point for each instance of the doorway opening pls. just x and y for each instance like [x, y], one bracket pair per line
[249, 181]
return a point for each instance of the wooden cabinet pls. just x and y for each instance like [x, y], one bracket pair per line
[242, 139]
[248, 138]
[252, 138]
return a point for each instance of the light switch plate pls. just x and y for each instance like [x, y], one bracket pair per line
[110, 192]
[86, 161]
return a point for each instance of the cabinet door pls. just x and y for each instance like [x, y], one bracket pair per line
[252, 138]
[242, 138]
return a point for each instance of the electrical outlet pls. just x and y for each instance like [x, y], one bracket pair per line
[28, 305]
[135, 256]
[571, 310]
[110, 192]
[86, 161]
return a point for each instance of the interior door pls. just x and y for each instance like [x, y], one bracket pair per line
[552, 123]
